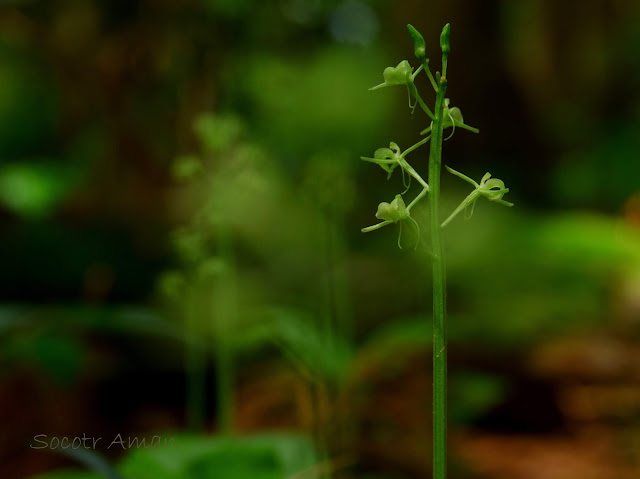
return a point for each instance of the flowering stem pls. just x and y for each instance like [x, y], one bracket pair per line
[439, 292]
[491, 188]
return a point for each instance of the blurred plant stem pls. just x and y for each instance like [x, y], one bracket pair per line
[338, 321]
[225, 311]
[329, 189]
[337, 325]
[196, 363]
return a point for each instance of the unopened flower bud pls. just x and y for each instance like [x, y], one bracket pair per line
[419, 45]
[444, 39]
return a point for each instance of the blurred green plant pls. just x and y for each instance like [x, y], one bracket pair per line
[266, 456]
[328, 83]
[204, 244]
[34, 189]
[443, 116]
[207, 289]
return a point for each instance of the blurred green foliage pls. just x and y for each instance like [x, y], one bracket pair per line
[160, 158]
[268, 456]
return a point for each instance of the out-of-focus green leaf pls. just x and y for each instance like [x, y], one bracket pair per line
[92, 460]
[218, 132]
[401, 334]
[28, 104]
[239, 463]
[590, 240]
[33, 189]
[264, 457]
[10, 316]
[323, 99]
[60, 356]
[472, 394]
[186, 167]
[316, 352]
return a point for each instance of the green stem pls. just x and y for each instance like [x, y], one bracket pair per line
[464, 126]
[417, 145]
[425, 65]
[415, 73]
[439, 293]
[416, 94]
[195, 368]
[466, 202]
[225, 307]
[421, 195]
[462, 177]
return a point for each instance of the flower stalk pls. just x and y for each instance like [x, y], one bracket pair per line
[439, 283]
[442, 117]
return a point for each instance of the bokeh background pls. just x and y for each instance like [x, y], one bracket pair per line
[181, 199]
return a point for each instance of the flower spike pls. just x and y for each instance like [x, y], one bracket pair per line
[491, 188]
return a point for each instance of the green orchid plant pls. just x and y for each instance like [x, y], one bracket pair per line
[442, 116]
[392, 157]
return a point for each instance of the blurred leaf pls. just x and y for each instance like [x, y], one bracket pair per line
[10, 316]
[61, 357]
[604, 174]
[591, 240]
[264, 456]
[172, 285]
[92, 460]
[316, 352]
[186, 167]
[33, 189]
[401, 334]
[239, 463]
[328, 181]
[473, 394]
[28, 105]
[323, 98]
[536, 276]
[218, 132]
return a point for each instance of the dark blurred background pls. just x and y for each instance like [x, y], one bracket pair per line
[181, 199]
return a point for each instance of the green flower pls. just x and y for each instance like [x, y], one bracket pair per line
[387, 158]
[452, 119]
[492, 189]
[394, 212]
[399, 75]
